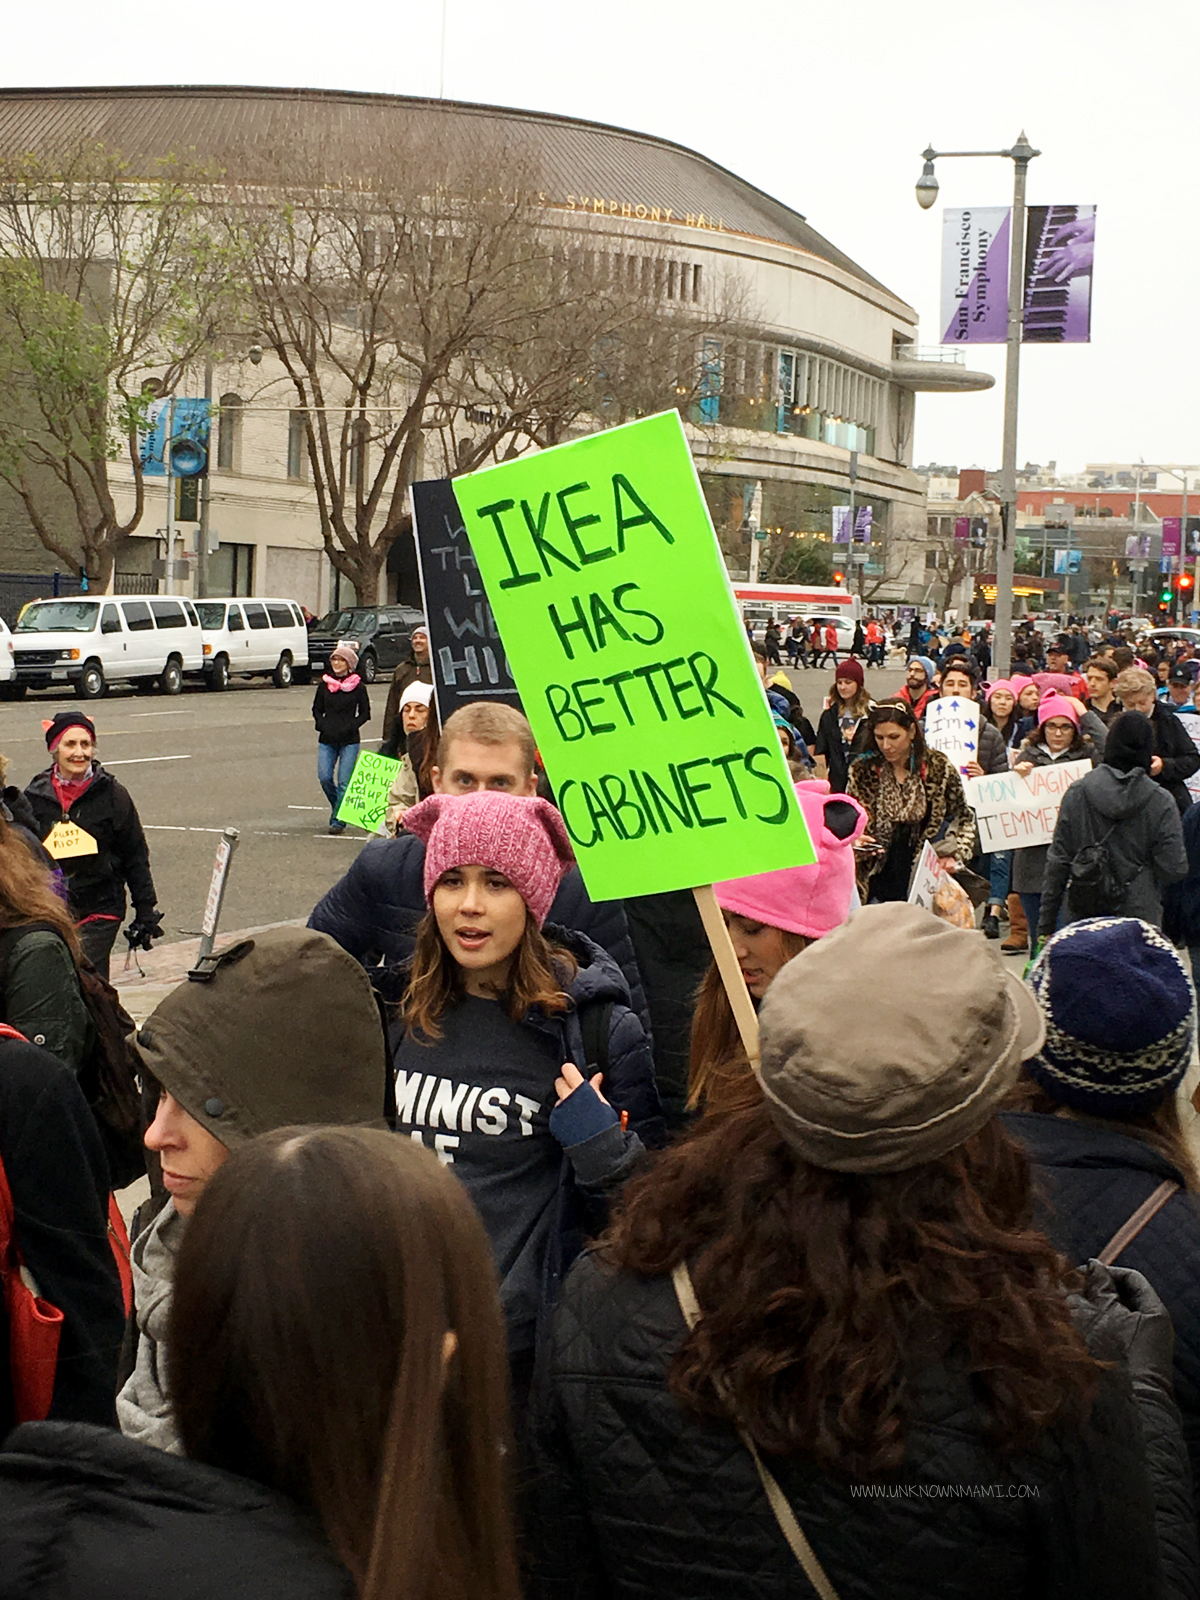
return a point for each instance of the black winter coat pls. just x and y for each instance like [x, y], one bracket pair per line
[340, 713]
[1180, 758]
[1181, 901]
[58, 1177]
[89, 1515]
[1144, 842]
[638, 1499]
[105, 809]
[374, 910]
[833, 747]
[672, 955]
[1091, 1180]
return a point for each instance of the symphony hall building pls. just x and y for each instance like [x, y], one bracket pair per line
[833, 366]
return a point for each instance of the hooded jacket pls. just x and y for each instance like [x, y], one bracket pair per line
[1139, 821]
[637, 1498]
[89, 1514]
[1091, 1178]
[105, 809]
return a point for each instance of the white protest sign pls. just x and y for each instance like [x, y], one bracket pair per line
[933, 887]
[1014, 812]
[1192, 723]
[952, 726]
[927, 878]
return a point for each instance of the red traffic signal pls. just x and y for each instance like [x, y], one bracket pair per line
[839, 577]
[1185, 580]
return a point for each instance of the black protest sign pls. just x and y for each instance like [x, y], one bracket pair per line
[466, 654]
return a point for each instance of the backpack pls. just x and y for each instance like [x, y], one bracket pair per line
[1093, 887]
[108, 1072]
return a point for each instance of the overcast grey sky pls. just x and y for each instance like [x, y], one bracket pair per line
[825, 106]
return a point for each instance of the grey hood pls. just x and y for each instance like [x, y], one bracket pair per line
[1118, 795]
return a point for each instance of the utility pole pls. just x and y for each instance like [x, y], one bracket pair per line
[202, 533]
[1021, 154]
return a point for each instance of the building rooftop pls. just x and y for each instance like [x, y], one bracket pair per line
[247, 132]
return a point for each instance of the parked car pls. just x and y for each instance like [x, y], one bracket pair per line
[91, 644]
[382, 634]
[252, 638]
[8, 662]
[1161, 636]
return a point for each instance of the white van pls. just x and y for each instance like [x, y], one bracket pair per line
[246, 638]
[92, 643]
[8, 661]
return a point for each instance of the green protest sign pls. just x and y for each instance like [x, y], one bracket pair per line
[620, 627]
[365, 799]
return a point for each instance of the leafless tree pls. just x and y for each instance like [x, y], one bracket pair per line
[431, 317]
[107, 279]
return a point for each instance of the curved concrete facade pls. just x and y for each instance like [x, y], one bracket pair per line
[830, 365]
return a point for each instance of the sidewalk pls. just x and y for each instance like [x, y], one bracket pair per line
[167, 965]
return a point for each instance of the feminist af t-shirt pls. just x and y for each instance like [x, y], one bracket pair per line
[481, 1097]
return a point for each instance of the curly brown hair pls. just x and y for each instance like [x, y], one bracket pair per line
[538, 977]
[823, 1291]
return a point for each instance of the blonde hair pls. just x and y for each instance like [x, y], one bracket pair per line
[1133, 680]
[484, 723]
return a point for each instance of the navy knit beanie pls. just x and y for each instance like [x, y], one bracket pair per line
[1120, 1017]
[1130, 742]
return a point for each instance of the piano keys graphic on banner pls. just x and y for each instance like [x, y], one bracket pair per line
[1059, 245]
[1057, 302]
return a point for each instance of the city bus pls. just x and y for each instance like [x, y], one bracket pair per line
[760, 602]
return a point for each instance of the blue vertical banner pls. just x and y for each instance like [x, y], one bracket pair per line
[191, 427]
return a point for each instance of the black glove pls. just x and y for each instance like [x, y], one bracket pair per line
[146, 925]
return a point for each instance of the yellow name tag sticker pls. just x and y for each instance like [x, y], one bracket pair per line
[67, 839]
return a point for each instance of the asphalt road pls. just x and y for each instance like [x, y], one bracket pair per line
[200, 761]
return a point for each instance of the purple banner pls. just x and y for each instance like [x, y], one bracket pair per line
[975, 250]
[1171, 530]
[1059, 245]
[962, 530]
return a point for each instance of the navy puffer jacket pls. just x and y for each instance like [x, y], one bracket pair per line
[1091, 1179]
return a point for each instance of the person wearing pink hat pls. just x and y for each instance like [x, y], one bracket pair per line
[340, 707]
[1056, 738]
[772, 917]
[513, 1047]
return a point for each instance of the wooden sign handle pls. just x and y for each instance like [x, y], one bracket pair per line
[744, 1013]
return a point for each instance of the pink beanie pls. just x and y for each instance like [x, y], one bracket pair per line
[1054, 705]
[812, 900]
[1006, 684]
[519, 835]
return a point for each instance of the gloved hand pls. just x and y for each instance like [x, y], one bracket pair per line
[146, 926]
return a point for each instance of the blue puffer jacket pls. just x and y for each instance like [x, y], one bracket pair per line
[1091, 1180]
[373, 912]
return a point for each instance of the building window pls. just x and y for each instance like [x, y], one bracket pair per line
[297, 446]
[229, 432]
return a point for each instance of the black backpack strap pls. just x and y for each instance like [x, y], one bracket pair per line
[595, 1023]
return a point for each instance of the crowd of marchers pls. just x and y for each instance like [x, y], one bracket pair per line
[489, 1252]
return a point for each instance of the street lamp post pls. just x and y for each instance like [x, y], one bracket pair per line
[1021, 154]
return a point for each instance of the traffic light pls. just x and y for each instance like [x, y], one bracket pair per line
[839, 577]
[1185, 581]
[1164, 598]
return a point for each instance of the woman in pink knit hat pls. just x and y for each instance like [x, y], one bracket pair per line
[1056, 738]
[514, 1047]
[771, 918]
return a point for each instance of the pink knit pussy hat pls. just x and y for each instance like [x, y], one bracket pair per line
[1056, 705]
[812, 900]
[521, 836]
